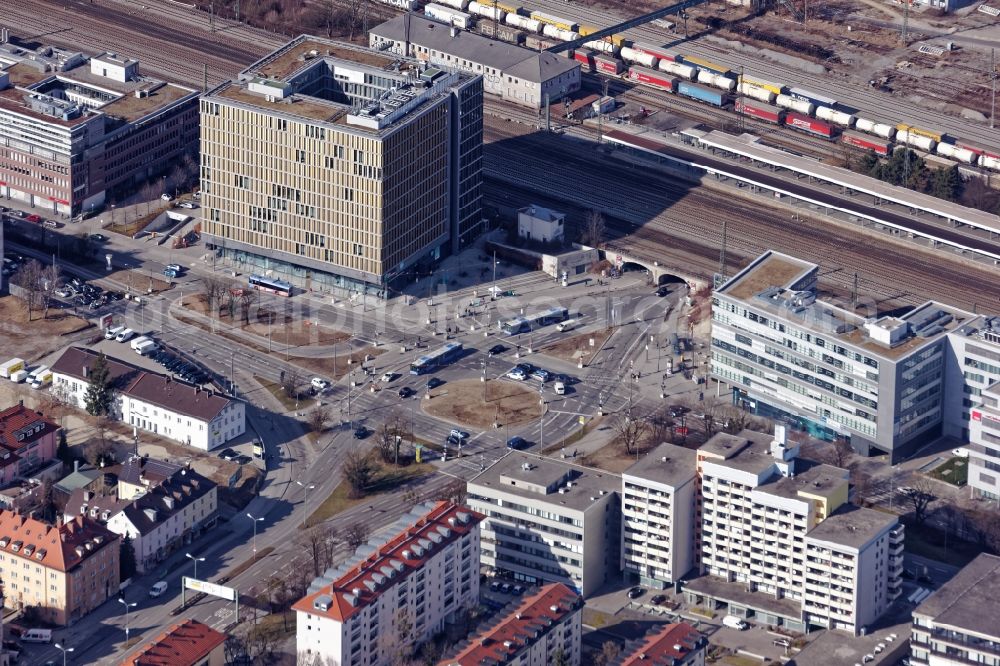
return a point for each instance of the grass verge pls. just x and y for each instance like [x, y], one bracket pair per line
[954, 471]
[387, 479]
[275, 389]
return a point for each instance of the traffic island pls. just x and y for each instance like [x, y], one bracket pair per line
[469, 403]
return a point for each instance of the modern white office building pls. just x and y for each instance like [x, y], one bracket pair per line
[549, 521]
[877, 382]
[767, 550]
[984, 445]
[544, 629]
[959, 623]
[381, 604]
[658, 500]
[511, 72]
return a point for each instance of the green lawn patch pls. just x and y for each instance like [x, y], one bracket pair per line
[387, 479]
[275, 389]
[955, 471]
[739, 660]
[595, 618]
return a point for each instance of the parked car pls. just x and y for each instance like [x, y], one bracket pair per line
[541, 375]
[517, 375]
[98, 238]
[177, 268]
[52, 224]
[34, 219]
[434, 382]
[361, 432]
[734, 622]
[960, 452]
[188, 204]
[658, 599]
[635, 593]
[228, 454]
[516, 443]
[158, 588]
[167, 197]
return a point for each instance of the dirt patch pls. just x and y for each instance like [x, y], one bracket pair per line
[139, 281]
[462, 402]
[283, 329]
[39, 336]
[612, 457]
[334, 368]
[572, 348]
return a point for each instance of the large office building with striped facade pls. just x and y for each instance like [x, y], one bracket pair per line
[339, 168]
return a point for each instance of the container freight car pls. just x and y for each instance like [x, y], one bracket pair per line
[916, 131]
[760, 110]
[812, 126]
[775, 88]
[865, 142]
[815, 98]
[448, 15]
[523, 22]
[884, 130]
[408, 5]
[499, 31]
[834, 116]
[802, 106]
[539, 43]
[651, 77]
[703, 94]
[557, 21]
[758, 93]
[585, 58]
[638, 57]
[706, 65]
[608, 65]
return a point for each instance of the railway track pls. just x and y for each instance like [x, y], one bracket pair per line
[657, 216]
[853, 94]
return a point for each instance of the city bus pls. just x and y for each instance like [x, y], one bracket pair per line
[437, 358]
[271, 285]
[537, 320]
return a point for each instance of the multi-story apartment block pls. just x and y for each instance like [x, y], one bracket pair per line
[516, 74]
[27, 441]
[391, 597]
[853, 569]
[959, 624]
[544, 629]
[984, 445]
[158, 520]
[658, 500]
[66, 570]
[767, 548]
[74, 128]
[549, 521]
[876, 382]
[333, 166]
[191, 415]
[677, 644]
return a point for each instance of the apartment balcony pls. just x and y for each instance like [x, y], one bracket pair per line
[962, 642]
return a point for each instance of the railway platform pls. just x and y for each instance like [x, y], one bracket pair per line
[835, 191]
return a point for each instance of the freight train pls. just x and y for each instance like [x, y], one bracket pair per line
[701, 79]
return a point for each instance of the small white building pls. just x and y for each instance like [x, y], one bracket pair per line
[658, 499]
[420, 578]
[200, 418]
[115, 67]
[541, 224]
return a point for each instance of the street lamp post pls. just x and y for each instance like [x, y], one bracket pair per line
[64, 651]
[305, 501]
[255, 521]
[196, 560]
[127, 605]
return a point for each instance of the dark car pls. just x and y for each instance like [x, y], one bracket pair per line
[361, 432]
[635, 593]
[405, 392]
[658, 599]
[98, 238]
[497, 349]
[678, 410]
[517, 443]
[662, 291]
[228, 454]
[434, 382]
[495, 586]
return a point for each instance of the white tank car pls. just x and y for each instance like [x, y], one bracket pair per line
[834, 116]
[487, 10]
[454, 4]
[638, 57]
[600, 45]
[523, 22]
[924, 143]
[883, 130]
[958, 154]
[988, 162]
[789, 102]
[723, 82]
[677, 69]
[754, 92]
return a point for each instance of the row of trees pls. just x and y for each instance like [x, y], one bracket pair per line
[222, 295]
[907, 169]
[639, 428]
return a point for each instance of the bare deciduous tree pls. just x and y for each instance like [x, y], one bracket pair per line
[356, 534]
[291, 382]
[319, 417]
[593, 229]
[359, 471]
[29, 278]
[247, 298]
[214, 287]
[919, 496]
[631, 429]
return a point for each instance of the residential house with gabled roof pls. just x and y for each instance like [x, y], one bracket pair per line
[65, 570]
[189, 643]
[27, 441]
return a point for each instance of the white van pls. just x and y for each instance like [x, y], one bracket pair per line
[564, 326]
[734, 622]
[42, 379]
[37, 372]
[37, 636]
[125, 335]
[559, 388]
[158, 588]
[113, 332]
[138, 342]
